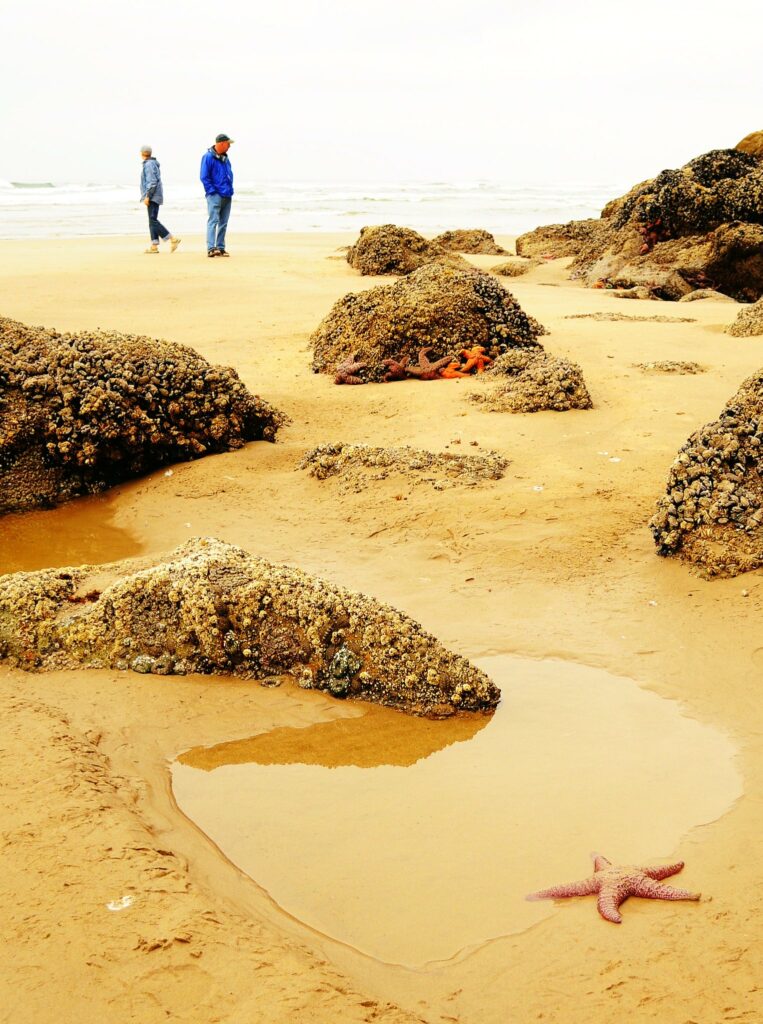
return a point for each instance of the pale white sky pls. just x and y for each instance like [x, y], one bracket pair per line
[550, 91]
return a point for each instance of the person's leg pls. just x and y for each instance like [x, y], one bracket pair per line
[225, 205]
[161, 230]
[213, 219]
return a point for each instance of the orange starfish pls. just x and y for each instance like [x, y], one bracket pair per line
[615, 883]
[475, 357]
[452, 371]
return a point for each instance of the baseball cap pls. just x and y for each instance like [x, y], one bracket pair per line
[223, 138]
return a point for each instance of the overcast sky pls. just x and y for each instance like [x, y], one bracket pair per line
[547, 91]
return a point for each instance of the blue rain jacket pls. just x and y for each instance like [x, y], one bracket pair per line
[151, 181]
[216, 173]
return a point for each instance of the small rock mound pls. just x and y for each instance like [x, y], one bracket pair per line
[211, 607]
[513, 268]
[472, 240]
[712, 511]
[670, 366]
[358, 465]
[705, 293]
[633, 318]
[81, 412]
[389, 249]
[533, 381]
[697, 226]
[749, 321]
[752, 144]
[438, 307]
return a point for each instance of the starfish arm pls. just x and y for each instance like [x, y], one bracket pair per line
[651, 890]
[582, 888]
[664, 870]
[600, 861]
[608, 903]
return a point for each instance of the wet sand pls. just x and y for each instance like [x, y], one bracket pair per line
[553, 561]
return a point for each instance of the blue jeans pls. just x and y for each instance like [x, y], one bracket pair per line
[218, 208]
[155, 229]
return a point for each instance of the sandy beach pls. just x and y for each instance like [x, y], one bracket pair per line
[552, 565]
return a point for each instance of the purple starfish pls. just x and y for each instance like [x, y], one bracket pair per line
[426, 370]
[347, 372]
[615, 883]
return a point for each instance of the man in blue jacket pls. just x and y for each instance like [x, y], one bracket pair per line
[217, 179]
[152, 196]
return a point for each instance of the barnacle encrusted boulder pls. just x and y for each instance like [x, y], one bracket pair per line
[697, 226]
[211, 607]
[388, 249]
[514, 268]
[712, 511]
[472, 240]
[556, 241]
[752, 144]
[358, 465]
[80, 412]
[437, 306]
[532, 381]
[749, 321]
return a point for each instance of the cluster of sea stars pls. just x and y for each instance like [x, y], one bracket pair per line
[615, 883]
[447, 368]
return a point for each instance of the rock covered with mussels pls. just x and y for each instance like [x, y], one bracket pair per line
[211, 607]
[712, 511]
[697, 226]
[80, 412]
[438, 308]
[389, 249]
[471, 240]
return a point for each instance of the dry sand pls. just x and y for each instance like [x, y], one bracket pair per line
[552, 561]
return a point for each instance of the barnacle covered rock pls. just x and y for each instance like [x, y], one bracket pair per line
[358, 465]
[211, 607]
[531, 381]
[388, 249]
[439, 307]
[712, 511]
[752, 144]
[698, 226]
[80, 412]
[749, 321]
[513, 268]
[472, 240]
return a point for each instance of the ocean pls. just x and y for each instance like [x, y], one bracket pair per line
[69, 210]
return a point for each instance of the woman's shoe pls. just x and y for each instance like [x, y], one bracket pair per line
[222, 252]
[213, 252]
[174, 243]
[152, 250]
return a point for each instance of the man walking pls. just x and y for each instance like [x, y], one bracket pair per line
[152, 195]
[217, 179]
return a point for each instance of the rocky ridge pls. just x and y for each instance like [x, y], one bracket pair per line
[211, 607]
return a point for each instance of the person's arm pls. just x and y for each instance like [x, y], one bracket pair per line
[205, 175]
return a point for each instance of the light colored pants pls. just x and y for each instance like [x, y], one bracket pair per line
[218, 208]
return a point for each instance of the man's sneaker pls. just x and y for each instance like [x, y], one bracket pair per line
[213, 252]
[222, 252]
[174, 243]
[152, 250]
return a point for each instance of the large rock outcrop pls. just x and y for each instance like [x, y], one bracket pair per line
[439, 307]
[712, 511]
[211, 607]
[472, 240]
[388, 249]
[81, 412]
[699, 226]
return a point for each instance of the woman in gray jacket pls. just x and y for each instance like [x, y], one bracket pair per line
[152, 195]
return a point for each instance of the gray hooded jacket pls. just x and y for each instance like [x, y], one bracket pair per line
[151, 181]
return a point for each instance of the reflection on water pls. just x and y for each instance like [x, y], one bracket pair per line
[80, 532]
[379, 737]
[418, 863]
